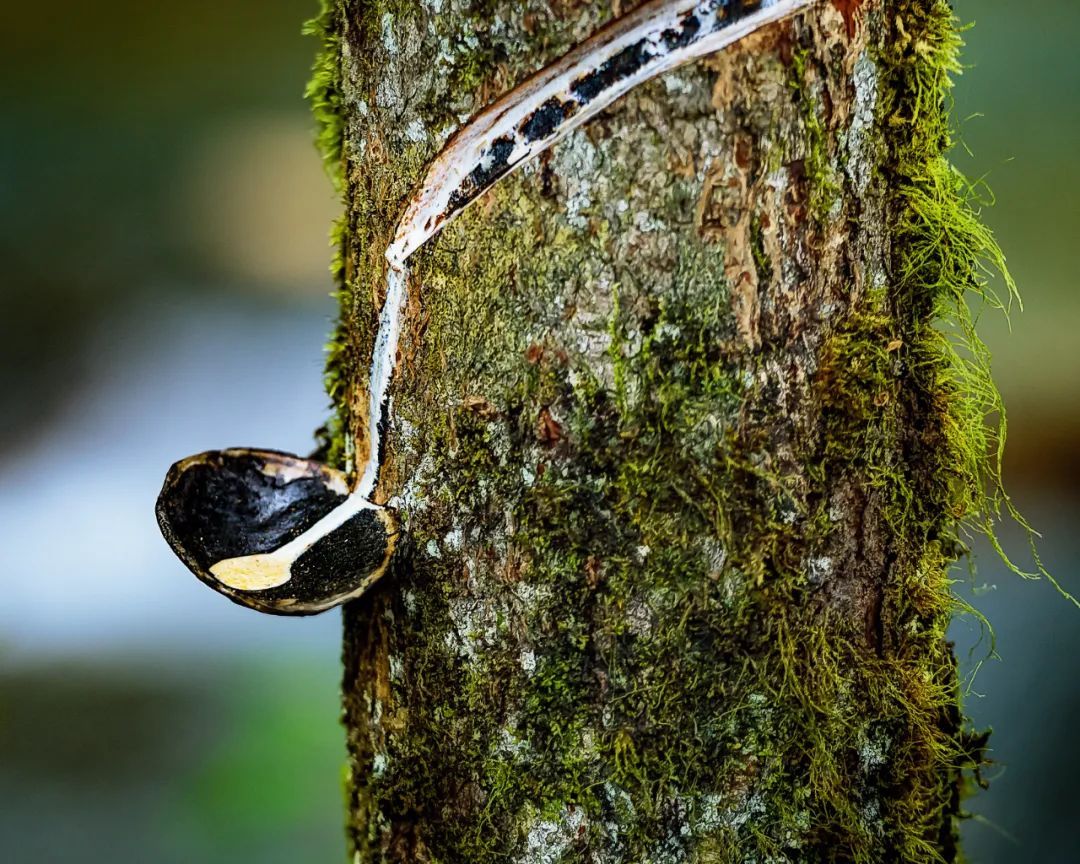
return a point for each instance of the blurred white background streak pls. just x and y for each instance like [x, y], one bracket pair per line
[85, 569]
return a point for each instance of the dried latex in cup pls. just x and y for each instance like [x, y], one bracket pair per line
[273, 531]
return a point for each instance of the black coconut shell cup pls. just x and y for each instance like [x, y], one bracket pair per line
[228, 504]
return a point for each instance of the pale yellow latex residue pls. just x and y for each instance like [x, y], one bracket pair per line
[253, 572]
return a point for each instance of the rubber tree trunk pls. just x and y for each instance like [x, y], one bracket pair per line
[681, 450]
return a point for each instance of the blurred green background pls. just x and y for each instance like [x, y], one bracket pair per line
[163, 221]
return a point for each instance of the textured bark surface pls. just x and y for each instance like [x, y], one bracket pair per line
[673, 451]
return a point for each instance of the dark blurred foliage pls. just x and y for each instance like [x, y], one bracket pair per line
[101, 108]
[119, 763]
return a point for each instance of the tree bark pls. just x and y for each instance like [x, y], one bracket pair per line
[680, 451]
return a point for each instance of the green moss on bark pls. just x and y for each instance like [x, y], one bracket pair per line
[323, 90]
[946, 257]
[818, 161]
[325, 97]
